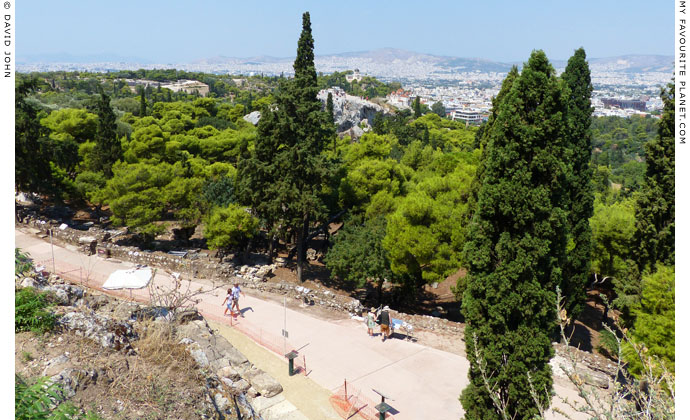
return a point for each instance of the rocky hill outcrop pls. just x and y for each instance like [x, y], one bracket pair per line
[353, 115]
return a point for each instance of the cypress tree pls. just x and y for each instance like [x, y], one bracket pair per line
[483, 134]
[142, 103]
[287, 170]
[655, 211]
[32, 146]
[517, 248]
[417, 106]
[579, 140]
[331, 113]
[108, 148]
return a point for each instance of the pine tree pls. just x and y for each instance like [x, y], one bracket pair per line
[517, 248]
[655, 212]
[579, 141]
[108, 148]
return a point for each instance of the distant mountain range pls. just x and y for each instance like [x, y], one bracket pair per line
[372, 62]
[390, 56]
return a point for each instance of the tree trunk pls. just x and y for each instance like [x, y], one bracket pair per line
[379, 290]
[245, 253]
[271, 240]
[302, 235]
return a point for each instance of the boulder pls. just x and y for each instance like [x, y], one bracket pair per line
[253, 117]
[125, 311]
[198, 354]
[221, 402]
[264, 383]
[56, 365]
[228, 372]
[185, 315]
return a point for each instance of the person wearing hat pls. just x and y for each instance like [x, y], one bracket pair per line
[385, 319]
[371, 321]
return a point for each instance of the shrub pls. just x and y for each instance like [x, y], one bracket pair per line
[30, 311]
[22, 262]
[42, 400]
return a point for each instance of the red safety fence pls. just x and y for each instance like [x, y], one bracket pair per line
[350, 403]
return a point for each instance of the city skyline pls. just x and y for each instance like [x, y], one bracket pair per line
[173, 32]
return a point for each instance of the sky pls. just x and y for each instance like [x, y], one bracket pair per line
[501, 30]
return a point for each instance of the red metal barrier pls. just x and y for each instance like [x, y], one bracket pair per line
[350, 403]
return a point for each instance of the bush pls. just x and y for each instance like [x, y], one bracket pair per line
[43, 401]
[22, 262]
[30, 311]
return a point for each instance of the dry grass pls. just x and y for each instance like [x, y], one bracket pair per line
[164, 380]
[157, 344]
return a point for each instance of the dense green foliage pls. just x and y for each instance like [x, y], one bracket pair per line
[517, 247]
[578, 139]
[367, 87]
[31, 144]
[656, 209]
[357, 254]
[31, 311]
[42, 400]
[655, 323]
[22, 262]
[230, 227]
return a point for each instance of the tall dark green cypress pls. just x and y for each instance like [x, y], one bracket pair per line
[32, 147]
[287, 163]
[579, 140]
[142, 102]
[331, 113]
[417, 106]
[480, 141]
[655, 211]
[108, 148]
[517, 248]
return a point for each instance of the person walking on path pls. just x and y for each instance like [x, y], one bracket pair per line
[236, 291]
[371, 321]
[385, 320]
[228, 302]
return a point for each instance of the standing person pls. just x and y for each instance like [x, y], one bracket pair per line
[371, 321]
[228, 299]
[236, 291]
[385, 323]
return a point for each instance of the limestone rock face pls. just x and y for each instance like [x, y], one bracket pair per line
[349, 112]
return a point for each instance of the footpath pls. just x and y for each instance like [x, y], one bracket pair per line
[423, 382]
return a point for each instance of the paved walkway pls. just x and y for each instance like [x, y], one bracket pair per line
[424, 382]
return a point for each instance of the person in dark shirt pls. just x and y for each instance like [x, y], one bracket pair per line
[385, 321]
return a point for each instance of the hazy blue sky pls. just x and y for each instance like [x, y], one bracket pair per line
[176, 31]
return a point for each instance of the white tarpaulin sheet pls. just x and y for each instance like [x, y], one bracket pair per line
[129, 279]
